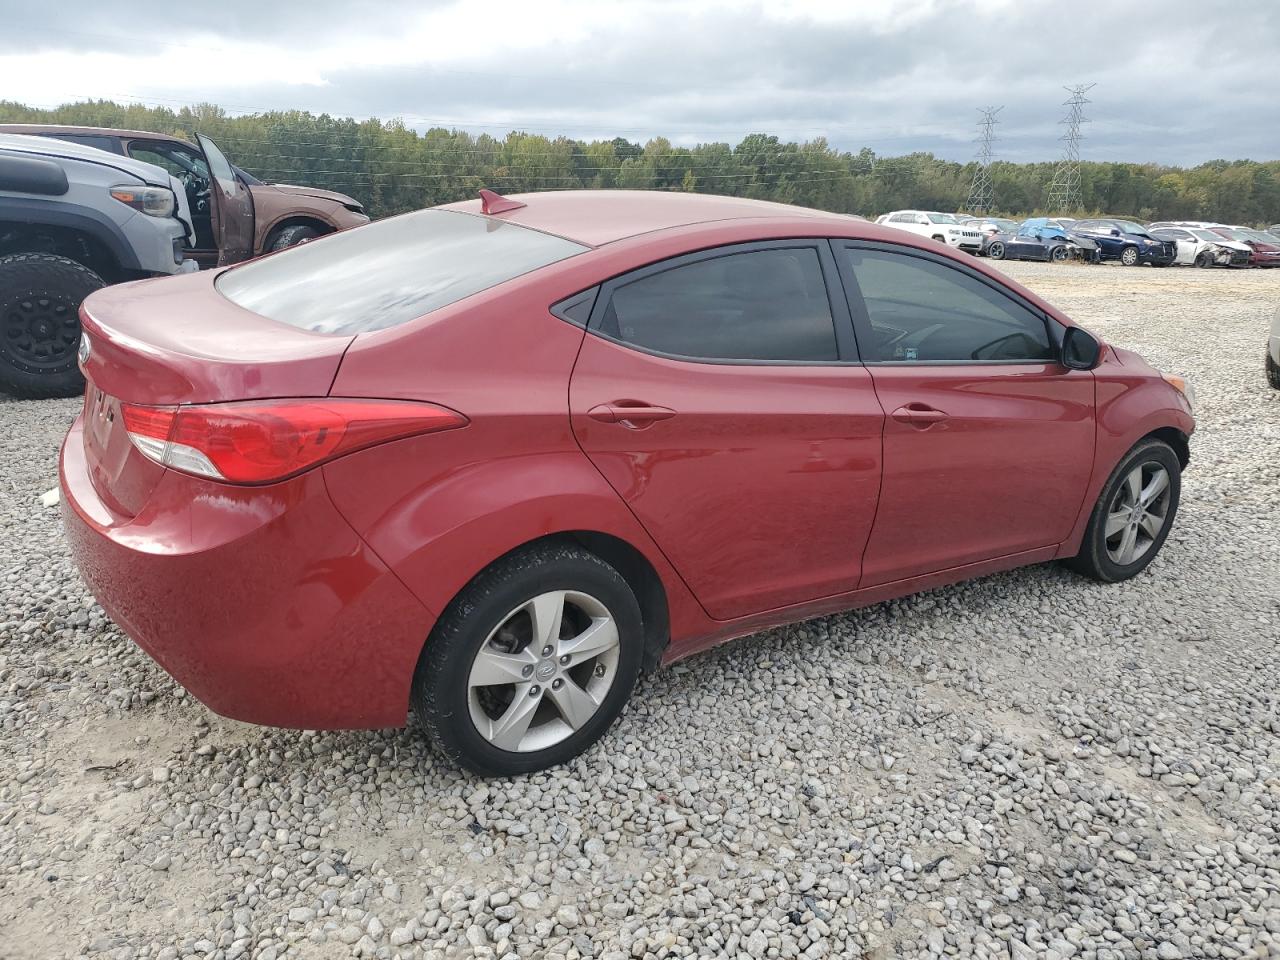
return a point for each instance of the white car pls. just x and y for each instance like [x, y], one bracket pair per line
[990, 225]
[943, 227]
[1204, 249]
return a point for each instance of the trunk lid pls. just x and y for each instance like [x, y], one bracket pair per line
[176, 340]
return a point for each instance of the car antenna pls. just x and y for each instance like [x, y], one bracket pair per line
[491, 202]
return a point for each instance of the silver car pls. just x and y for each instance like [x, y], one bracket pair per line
[73, 219]
[1273, 353]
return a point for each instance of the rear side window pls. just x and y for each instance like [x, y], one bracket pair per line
[88, 140]
[921, 310]
[756, 305]
[389, 272]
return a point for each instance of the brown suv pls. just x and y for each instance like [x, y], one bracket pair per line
[239, 219]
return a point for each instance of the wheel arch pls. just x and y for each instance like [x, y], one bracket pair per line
[314, 221]
[65, 230]
[1175, 438]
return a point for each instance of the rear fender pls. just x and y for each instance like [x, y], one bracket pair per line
[438, 535]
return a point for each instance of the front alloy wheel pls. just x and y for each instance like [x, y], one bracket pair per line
[1129, 256]
[1133, 514]
[1138, 513]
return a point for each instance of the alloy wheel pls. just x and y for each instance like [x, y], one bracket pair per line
[1138, 513]
[1129, 256]
[42, 333]
[996, 251]
[544, 671]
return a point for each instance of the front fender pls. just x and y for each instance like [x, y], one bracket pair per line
[1128, 409]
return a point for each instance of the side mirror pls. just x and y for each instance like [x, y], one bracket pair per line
[1080, 349]
[1115, 232]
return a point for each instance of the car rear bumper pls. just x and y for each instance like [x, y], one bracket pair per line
[261, 601]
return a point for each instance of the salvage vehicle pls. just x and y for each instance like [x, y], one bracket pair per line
[990, 226]
[1265, 250]
[487, 461]
[73, 219]
[1199, 247]
[271, 216]
[1040, 238]
[1128, 242]
[942, 227]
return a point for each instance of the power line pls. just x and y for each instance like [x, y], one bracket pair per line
[981, 194]
[1064, 194]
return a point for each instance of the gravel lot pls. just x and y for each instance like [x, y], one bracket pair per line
[1030, 765]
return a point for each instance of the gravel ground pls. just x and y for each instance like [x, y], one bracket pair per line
[1030, 765]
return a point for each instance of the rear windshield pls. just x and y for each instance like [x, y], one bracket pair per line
[389, 272]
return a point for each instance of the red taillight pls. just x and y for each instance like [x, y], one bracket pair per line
[260, 441]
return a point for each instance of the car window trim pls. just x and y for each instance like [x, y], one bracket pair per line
[846, 340]
[862, 319]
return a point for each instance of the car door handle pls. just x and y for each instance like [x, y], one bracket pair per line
[630, 413]
[919, 415]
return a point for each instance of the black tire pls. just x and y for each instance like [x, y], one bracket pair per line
[290, 236]
[1273, 371]
[995, 250]
[40, 297]
[939, 238]
[1060, 254]
[1204, 260]
[1129, 256]
[1094, 560]
[440, 685]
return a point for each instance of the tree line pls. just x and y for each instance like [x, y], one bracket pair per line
[392, 168]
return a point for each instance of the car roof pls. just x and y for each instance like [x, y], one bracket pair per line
[45, 147]
[596, 217]
[50, 129]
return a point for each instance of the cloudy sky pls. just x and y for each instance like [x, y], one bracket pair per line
[1177, 81]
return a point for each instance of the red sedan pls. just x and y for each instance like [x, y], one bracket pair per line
[489, 461]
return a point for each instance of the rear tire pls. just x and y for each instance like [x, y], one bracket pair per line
[1273, 371]
[290, 237]
[490, 625]
[1103, 556]
[40, 297]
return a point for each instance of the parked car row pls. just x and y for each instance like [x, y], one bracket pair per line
[1095, 240]
[84, 207]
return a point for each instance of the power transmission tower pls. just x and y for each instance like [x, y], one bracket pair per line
[981, 196]
[1064, 191]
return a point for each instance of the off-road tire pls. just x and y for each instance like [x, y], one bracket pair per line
[290, 237]
[39, 293]
[1093, 560]
[440, 693]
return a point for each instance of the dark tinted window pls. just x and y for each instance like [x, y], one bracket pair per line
[922, 310]
[390, 271]
[757, 305]
[88, 140]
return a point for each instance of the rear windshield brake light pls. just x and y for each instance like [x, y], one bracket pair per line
[262, 441]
